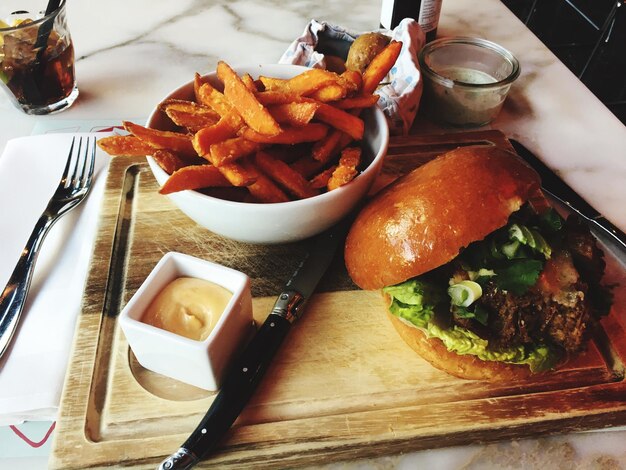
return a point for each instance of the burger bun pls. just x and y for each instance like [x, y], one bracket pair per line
[424, 219]
[464, 366]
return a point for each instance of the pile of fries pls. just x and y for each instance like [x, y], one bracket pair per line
[269, 140]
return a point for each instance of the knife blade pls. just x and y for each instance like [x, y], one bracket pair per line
[247, 371]
[557, 188]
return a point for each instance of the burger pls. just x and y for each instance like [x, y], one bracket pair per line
[482, 278]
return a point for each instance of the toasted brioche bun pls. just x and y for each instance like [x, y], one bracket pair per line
[464, 366]
[425, 218]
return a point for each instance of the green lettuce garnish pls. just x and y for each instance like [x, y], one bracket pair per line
[521, 234]
[518, 276]
[551, 221]
[515, 254]
[478, 313]
[408, 301]
[414, 301]
[463, 341]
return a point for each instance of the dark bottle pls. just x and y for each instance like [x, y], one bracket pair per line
[425, 12]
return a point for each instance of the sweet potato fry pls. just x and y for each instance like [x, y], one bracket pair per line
[311, 81]
[189, 114]
[198, 81]
[339, 119]
[380, 66]
[320, 180]
[353, 80]
[356, 102]
[253, 113]
[125, 145]
[248, 81]
[294, 114]
[331, 92]
[285, 176]
[263, 189]
[324, 149]
[175, 141]
[190, 107]
[273, 84]
[350, 157]
[169, 161]
[231, 150]
[225, 129]
[237, 175]
[270, 97]
[304, 84]
[347, 168]
[347, 83]
[193, 177]
[191, 122]
[294, 135]
[209, 96]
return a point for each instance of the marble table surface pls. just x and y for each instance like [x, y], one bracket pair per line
[130, 54]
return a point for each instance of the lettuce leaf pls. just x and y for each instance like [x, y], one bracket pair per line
[414, 301]
[462, 341]
[551, 221]
[407, 301]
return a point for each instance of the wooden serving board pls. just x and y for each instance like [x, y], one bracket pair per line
[343, 385]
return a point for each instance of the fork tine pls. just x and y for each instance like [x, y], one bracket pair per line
[86, 155]
[83, 158]
[92, 161]
[76, 177]
[66, 171]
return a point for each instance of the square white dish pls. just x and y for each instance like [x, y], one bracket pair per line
[198, 363]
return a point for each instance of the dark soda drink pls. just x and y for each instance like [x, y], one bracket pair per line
[37, 61]
[44, 80]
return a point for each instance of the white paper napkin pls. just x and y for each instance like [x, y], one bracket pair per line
[32, 370]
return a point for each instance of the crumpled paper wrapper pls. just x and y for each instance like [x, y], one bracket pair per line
[401, 91]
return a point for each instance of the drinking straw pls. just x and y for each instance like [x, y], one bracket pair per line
[46, 27]
[30, 88]
[52, 5]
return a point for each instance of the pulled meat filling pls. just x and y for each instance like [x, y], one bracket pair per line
[535, 317]
[559, 309]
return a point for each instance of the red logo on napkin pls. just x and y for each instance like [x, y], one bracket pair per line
[34, 444]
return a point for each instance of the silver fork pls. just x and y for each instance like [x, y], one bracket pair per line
[73, 187]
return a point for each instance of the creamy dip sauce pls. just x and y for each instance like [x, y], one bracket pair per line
[461, 105]
[465, 75]
[189, 307]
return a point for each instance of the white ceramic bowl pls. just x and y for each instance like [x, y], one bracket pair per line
[279, 222]
[199, 363]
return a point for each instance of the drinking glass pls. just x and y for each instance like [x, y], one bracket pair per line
[36, 57]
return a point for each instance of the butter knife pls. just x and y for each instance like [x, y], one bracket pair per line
[554, 186]
[247, 371]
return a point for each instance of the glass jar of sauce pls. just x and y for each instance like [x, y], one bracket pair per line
[466, 80]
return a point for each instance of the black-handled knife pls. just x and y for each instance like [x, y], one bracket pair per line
[248, 370]
[558, 189]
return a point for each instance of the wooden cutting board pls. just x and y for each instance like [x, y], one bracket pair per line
[343, 385]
